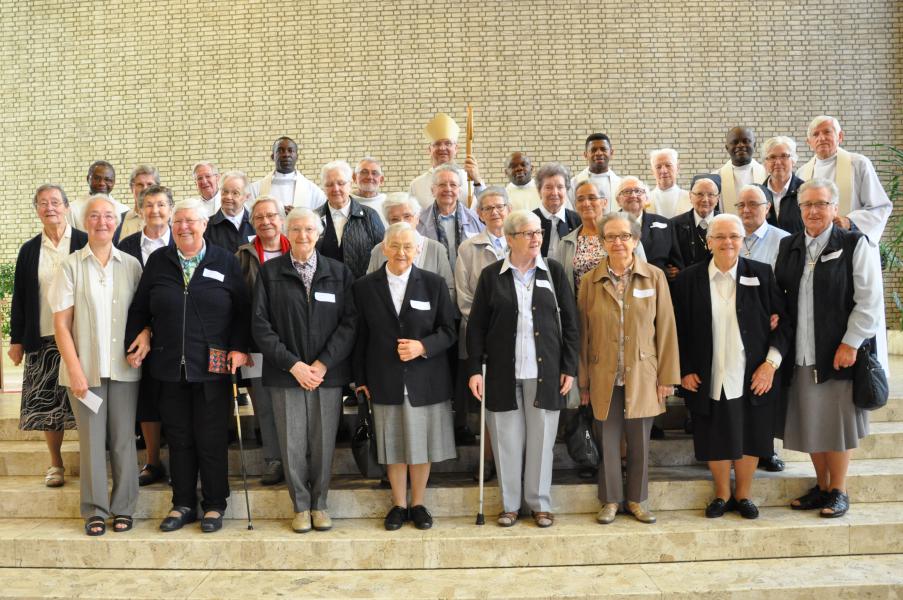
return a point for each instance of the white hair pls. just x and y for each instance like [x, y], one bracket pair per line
[777, 141]
[268, 199]
[300, 213]
[194, 204]
[669, 152]
[627, 179]
[819, 183]
[822, 119]
[357, 168]
[396, 229]
[751, 187]
[203, 163]
[446, 168]
[105, 198]
[336, 165]
[394, 199]
[518, 219]
[235, 175]
[725, 218]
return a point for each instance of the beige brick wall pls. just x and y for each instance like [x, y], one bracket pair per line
[170, 82]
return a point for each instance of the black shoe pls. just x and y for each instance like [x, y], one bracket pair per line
[838, 503]
[211, 524]
[688, 424]
[151, 474]
[488, 471]
[587, 472]
[772, 463]
[464, 436]
[716, 508]
[746, 508]
[814, 498]
[421, 517]
[397, 517]
[187, 515]
[657, 433]
[243, 400]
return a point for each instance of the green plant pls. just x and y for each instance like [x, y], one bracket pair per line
[7, 273]
[889, 165]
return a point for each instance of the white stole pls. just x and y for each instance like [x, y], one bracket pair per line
[843, 178]
[728, 191]
[300, 197]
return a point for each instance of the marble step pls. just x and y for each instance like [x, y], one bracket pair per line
[30, 457]
[456, 495]
[456, 542]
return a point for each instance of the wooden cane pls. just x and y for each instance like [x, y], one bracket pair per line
[469, 138]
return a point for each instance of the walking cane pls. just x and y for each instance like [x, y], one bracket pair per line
[241, 446]
[481, 520]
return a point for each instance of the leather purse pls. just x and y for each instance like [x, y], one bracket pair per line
[579, 438]
[363, 442]
[870, 389]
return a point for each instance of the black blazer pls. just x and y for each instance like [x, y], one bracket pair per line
[25, 312]
[363, 230]
[131, 244]
[222, 232]
[427, 314]
[790, 219]
[288, 327]
[755, 305]
[492, 331]
[686, 243]
[212, 312]
[658, 242]
[570, 223]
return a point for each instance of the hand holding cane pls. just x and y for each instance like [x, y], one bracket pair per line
[241, 447]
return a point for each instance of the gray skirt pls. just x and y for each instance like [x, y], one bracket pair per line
[822, 417]
[413, 435]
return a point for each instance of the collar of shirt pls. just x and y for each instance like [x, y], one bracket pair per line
[163, 240]
[745, 167]
[819, 162]
[87, 252]
[730, 273]
[310, 262]
[783, 190]
[449, 217]
[528, 185]
[277, 176]
[492, 239]
[539, 264]
[67, 234]
[708, 219]
[626, 274]
[399, 279]
[820, 240]
[671, 190]
[237, 219]
[196, 258]
[344, 211]
[638, 219]
[759, 233]
[548, 215]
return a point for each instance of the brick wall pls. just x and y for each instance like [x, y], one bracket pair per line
[171, 82]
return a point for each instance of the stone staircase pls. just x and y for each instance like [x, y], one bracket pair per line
[44, 552]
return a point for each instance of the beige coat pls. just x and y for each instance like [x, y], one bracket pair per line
[651, 356]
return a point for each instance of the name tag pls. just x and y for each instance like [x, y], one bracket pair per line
[213, 274]
[324, 297]
[643, 293]
[420, 305]
[544, 283]
[831, 256]
[749, 280]
[251, 238]
[658, 225]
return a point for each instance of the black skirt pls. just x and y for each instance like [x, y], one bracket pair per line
[732, 429]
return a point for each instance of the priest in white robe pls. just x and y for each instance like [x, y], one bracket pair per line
[667, 199]
[285, 183]
[742, 169]
[441, 133]
[521, 189]
[598, 151]
[101, 180]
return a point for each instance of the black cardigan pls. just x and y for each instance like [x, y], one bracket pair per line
[131, 244]
[222, 232]
[25, 312]
[363, 230]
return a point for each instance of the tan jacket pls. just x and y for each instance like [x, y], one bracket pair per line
[651, 355]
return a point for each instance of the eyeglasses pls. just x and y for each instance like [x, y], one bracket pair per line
[611, 238]
[588, 198]
[815, 205]
[44, 205]
[707, 195]
[632, 192]
[774, 157]
[528, 234]
[189, 222]
[734, 237]
[265, 217]
[749, 205]
[494, 208]
[307, 230]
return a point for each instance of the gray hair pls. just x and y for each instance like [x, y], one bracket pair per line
[492, 191]
[708, 179]
[777, 141]
[819, 183]
[446, 168]
[203, 163]
[628, 178]
[268, 199]
[144, 170]
[821, 119]
[518, 219]
[728, 218]
[396, 229]
[635, 228]
[49, 186]
[357, 168]
[599, 191]
[102, 198]
[751, 187]
[153, 191]
[336, 165]
[235, 175]
[669, 152]
[299, 213]
[394, 199]
[194, 204]
[551, 170]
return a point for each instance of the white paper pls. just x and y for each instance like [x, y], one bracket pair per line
[658, 225]
[251, 238]
[256, 370]
[214, 274]
[92, 401]
[744, 280]
[831, 256]
[544, 283]
[324, 297]
[420, 304]
[643, 293]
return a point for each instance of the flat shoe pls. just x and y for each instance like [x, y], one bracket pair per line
[211, 524]
[507, 519]
[543, 519]
[772, 464]
[186, 515]
[122, 523]
[838, 503]
[640, 514]
[321, 520]
[92, 523]
[151, 474]
[814, 498]
[747, 509]
[421, 517]
[301, 522]
[716, 508]
[607, 514]
[396, 517]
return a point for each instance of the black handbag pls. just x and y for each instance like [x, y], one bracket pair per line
[579, 438]
[870, 389]
[363, 442]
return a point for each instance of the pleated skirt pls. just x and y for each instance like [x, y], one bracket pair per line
[413, 435]
[822, 417]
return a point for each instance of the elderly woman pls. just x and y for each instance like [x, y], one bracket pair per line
[405, 327]
[834, 265]
[781, 186]
[351, 230]
[155, 205]
[655, 230]
[667, 199]
[729, 352]
[231, 226]
[193, 301]
[45, 406]
[554, 182]
[523, 327]
[89, 299]
[627, 322]
[269, 243]
[304, 324]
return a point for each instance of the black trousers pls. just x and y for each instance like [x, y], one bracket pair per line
[196, 419]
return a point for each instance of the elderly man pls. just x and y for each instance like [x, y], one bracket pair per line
[447, 220]
[231, 226]
[521, 189]
[442, 134]
[101, 180]
[667, 199]
[779, 155]
[206, 179]
[285, 183]
[656, 238]
[597, 150]
[143, 176]
[368, 177]
[742, 169]
[689, 229]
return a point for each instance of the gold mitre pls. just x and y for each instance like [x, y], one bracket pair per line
[441, 127]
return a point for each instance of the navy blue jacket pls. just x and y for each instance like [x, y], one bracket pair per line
[131, 245]
[222, 232]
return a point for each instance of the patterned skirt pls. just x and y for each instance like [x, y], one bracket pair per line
[45, 404]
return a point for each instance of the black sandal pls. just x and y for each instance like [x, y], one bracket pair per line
[122, 520]
[838, 503]
[814, 498]
[93, 523]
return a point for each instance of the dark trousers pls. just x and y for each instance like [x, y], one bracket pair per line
[196, 419]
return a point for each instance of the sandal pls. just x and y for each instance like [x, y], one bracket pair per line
[814, 498]
[837, 505]
[122, 523]
[54, 477]
[151, 474]
[543, 519]
[507, 519]
[95, 523]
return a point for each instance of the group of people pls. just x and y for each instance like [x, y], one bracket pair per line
[548, 293]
